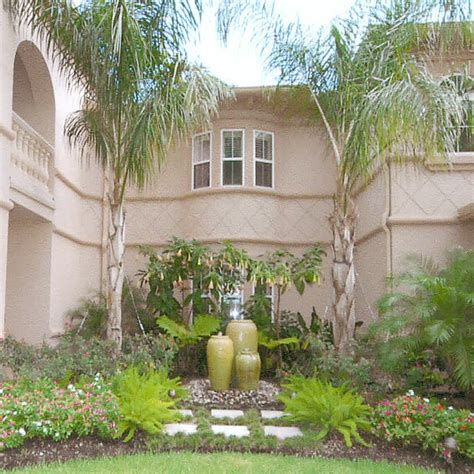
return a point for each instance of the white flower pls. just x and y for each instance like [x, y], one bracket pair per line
[37, 423]
[22, 432]
[450, 408]
[45, 430]
[411, 393]
[426, 400]
[71, 387]
[24, 404]
[1, 391]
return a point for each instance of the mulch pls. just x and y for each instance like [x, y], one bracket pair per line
[38, 451]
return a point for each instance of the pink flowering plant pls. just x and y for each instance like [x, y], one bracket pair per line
[44, 409]
[414, 420]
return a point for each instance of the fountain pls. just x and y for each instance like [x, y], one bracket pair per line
[240, 337]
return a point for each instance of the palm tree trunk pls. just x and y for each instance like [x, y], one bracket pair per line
[115, 266]
[343, 222]
[278, 328]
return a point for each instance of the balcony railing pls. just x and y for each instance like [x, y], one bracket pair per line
[31, 156]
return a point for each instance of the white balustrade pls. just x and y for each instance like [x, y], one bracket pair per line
[32, 154]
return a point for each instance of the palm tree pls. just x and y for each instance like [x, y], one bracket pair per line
[431, 308]
[139, 94]
[376, 100]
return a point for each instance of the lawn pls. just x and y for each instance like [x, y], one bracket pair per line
[222, 463]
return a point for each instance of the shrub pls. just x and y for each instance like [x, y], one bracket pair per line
[89, 319]
[74, 357]
[326, 408]
[46, 410]
[320, 358]
[146, 401]
[415, 420]
[433, 309]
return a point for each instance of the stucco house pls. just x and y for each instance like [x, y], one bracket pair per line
[260, 178]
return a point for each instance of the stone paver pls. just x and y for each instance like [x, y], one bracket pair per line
[226, 413]
[186, 412]
[174, 428]
[271, 414]
[230, 430]
[282, 432]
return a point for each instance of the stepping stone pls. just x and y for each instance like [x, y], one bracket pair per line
[226, 413]
[282, 432]
[271, 414]
[230, 430]
[186, 412]
[174, 428]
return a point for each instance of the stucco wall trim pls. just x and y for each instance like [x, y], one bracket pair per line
[7, 132]
[238, 240]
[74, 187]
[68, 236]
[7, 205]
[466, 213]
[415, 220]
[370, 234]
[228, 190]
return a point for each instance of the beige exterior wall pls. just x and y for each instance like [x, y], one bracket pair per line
[52, 213]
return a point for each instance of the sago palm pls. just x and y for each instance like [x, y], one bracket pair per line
[139, 94]
[373, 96]
[432, 309]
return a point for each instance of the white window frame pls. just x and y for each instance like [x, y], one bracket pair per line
[271, 297]
[193, 164]
[223, 159]
[259, 160]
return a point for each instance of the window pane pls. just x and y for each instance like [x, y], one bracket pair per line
[263, 146]
[232, 172]
[202, 176]
[263, 174]
[202, 148]
[232, 144]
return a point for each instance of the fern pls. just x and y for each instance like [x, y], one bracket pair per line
[326, 408]
[204, 326]
[146, 401]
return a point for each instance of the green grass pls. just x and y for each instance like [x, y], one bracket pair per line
[228, 463]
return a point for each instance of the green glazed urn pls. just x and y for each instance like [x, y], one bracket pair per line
[220, 356]
[243, 333]
[247, 366]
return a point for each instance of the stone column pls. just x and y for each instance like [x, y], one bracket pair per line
[7, 55]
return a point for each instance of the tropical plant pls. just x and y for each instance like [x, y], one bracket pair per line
[373, 95]
[204, 325]
[280, 270]
[188, 278]
[140, 95]
[325, 408]
[146, 401]
[431, 308]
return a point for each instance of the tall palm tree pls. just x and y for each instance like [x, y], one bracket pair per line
[139, 94]
[375, 98]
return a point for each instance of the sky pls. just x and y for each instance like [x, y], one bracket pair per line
[239, 63]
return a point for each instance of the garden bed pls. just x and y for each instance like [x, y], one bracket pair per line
[46, 451]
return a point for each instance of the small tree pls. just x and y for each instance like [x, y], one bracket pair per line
[281, 270]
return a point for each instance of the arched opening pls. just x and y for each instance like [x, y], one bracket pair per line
[33, 95]
[28, 286]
